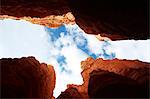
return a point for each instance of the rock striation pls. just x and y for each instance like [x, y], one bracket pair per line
[26, 78]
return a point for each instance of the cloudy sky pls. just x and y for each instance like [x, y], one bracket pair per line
[64, 48]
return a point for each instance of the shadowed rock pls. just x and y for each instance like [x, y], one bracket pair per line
[70, 93]
[104, 84]
[123, 19]
[114, 78]
[26, 78]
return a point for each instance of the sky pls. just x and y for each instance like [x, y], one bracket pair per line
[64, 48]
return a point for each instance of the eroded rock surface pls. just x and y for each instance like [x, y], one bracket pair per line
[117, 20]
[70, 93]
[26, 78]
[114, 78]
[51, 21]
[34, 8]
[104, 84]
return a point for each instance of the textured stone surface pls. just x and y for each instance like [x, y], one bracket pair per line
[125, 17]
[116, 20]
[70, 93]
[114, 78]
[34, 8]
[26, 78]
[104, 84]
[51, 21]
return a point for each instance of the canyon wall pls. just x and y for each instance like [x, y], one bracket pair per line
[117, 20]
[113, 78]
[26, 78]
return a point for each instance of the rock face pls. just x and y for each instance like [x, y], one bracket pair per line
[26, 78]
[70, 93]
[114, 78]
[34, 8]
[104, 84]
[51, 21]
[124, 19]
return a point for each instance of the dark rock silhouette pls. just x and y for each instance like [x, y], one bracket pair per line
[123, 19]
[104, 84]
[113, 79]
[71, 93]
[26, 78]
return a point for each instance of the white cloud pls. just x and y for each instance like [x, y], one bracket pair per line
[132, 49]
[19, 38]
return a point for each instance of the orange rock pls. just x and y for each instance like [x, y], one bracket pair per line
[49, 21]
[99, 37]
[132, 69]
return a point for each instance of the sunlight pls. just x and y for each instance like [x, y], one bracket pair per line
[64, 48]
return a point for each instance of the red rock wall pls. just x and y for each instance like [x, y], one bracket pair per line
[99, 75]
[26, 78]
[104, 84]
[117, 20]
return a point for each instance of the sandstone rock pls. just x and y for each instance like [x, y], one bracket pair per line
[99, 37]
[86, 64]
[126, 18]
[104, 84]
[112, 19]
[36, 8]
[102, 76]
[51, 21]
[70, 93]
[26, 78]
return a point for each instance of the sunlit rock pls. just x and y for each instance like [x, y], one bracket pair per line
[86, 64]
[51, 21]
[99, 37]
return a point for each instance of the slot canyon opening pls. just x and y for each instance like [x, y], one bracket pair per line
[64, 47]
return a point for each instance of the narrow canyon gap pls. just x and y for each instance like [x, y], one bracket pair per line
[64, 48]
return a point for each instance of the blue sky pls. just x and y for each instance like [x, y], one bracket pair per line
[64, 48]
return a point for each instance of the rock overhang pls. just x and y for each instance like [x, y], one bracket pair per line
[108, 18]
